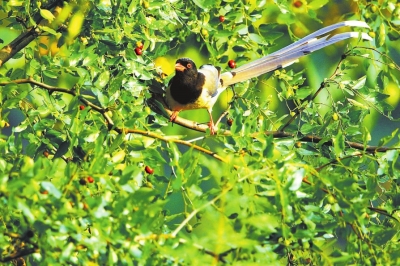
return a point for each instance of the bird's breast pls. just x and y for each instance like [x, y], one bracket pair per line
[203, 101]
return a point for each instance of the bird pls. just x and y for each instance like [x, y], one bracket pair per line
[199, 88]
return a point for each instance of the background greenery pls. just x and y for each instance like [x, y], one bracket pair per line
[293, 180]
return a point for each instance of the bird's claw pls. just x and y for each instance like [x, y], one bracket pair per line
[212, 128]
[173, 116]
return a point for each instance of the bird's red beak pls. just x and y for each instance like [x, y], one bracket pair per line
[179, 67]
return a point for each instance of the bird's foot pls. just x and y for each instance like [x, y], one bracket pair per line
[212, 128]
[173, 116]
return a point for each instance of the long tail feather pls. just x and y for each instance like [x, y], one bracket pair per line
[288, 55]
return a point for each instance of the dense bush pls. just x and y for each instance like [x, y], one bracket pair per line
[92, 171]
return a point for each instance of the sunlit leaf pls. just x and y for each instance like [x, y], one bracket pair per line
[46, 14]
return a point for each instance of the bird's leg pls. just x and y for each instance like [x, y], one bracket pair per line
[211, 123]
[173, 116]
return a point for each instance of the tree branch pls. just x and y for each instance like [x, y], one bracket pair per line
[155, 102]
[19, 254]
[317, 139]
[187, 123]
[55, 89]
[177, 141]
[276, 134]
[8, 51]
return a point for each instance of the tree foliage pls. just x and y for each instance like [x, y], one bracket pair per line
[92, 172]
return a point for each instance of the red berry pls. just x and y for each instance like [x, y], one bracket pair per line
[46, 154]
[90, 179]
[297, 4]
[81, 107]
[232, 63]
[149, 170]
[138, 51]
[229, 121]
[44, 192]
[221, 18]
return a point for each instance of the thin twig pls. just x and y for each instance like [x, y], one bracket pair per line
[322, 86]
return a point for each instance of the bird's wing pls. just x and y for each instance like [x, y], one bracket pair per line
[212, 79]
[288, 55]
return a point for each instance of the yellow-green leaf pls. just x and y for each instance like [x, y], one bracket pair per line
[46, 14]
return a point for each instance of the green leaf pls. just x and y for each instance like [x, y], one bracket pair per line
[338, 144]
[49, 30]
[357, 104]
[257, 38]
[102, 79]
[266, 222]
[303, 92]
[295, 179]
[91, 136]
[61, 41]
[385, 141]
[77, 185]
[62, 149]
[46, 14]
[307, 128]
[204, 4]
[25, 210]
[384, 237]
[366, 135]
[317, 4]
[17, 74]
[118, 157]
[242, 29]
[51, 189]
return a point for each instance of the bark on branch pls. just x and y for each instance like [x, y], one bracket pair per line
[8, 51]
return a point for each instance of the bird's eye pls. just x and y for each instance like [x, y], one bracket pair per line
[189, 65]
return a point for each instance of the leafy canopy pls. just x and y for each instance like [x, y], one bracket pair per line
[92, 172]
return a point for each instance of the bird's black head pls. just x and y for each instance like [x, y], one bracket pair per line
[183, 65]
[187, 84]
